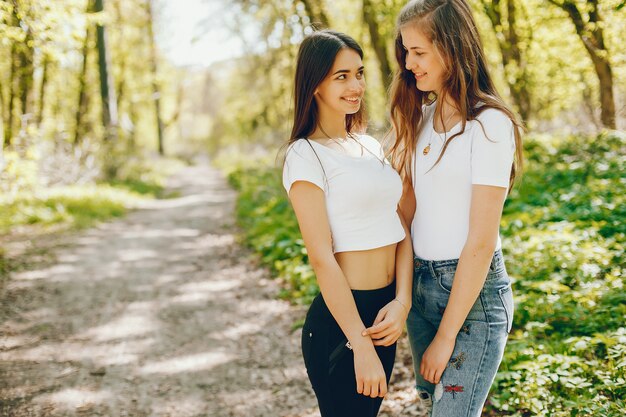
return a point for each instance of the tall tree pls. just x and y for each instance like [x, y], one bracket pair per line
[379, 44]
[502, 15]
[8, 132]
[26, 69]
[591, 33]
[156, 93]
[42, 88]
[107, 92]
[82, 77]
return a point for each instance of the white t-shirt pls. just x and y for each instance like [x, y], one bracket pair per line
[362, 192]
[443, 194]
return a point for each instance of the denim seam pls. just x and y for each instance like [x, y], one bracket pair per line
[482, 357]
[440, 283]
[506, 312]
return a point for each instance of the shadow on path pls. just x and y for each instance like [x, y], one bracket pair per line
[158, 314]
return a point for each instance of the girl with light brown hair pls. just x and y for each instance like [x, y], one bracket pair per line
[458, 148]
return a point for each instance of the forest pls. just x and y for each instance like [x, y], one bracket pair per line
[94, 117]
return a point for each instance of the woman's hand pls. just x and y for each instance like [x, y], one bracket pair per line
[370, 374]
[436, 358]
[389, 324]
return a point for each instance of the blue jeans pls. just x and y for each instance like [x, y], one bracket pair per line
[479, 347]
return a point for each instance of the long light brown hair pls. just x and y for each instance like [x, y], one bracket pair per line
[451, 28]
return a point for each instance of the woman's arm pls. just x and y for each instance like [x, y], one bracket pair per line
[407, 203]
[308, 202]
[485, 213]
[389, 323]
[404, 252]
[404, 268]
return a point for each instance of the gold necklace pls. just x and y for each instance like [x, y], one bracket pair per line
[430, 139]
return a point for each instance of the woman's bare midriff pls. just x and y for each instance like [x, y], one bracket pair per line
[369, 269]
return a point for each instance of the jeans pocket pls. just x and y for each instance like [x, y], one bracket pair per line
[445, 278]
[506, 297]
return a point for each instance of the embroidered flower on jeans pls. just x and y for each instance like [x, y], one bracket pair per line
[457, 361]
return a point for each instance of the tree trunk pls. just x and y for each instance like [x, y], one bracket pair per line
[107, 92]
[82, 81]
[513, 59]
[8, 132]
[26, 70]
[592, 36]
[2, 144]
[378, 43]
[156, 94]
[315, 10]
[121, 59]
[42, 90]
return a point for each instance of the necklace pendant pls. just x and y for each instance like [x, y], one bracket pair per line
[426, 150]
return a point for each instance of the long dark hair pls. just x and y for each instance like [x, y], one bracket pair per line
[315, 60]
[450, 26]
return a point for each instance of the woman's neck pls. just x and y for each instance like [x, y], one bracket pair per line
[329, 125]
[446, 115]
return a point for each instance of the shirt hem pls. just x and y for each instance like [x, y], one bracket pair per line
[376, 246]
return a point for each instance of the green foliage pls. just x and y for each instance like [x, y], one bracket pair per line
[79, 205]
[563, 235]
[25, 201]
[270, 227]
[555, 68]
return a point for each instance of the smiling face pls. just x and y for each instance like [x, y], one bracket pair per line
[343, 88]
[423, 60]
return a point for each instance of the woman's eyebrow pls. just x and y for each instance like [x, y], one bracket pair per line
[345, 71]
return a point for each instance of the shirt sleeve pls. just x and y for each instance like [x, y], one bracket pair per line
[493, 149]
[302, 164]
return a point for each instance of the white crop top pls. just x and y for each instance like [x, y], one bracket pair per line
[362, 193]
[443, 194]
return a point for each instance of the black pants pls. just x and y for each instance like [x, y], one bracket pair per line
[330, 364]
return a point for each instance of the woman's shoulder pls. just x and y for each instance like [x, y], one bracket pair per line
[494, 117]
[493, 124]
[302, 147]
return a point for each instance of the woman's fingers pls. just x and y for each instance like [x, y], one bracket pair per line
[437, 376]
[367, 388]
[393, 331]
[383, 388]
[359, 385]
[374, 390]
[380, 316]
[376, 329]
[388, 340]
[427, 371]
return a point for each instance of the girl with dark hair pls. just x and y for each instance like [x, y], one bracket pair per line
[458, 148]
[345, 196]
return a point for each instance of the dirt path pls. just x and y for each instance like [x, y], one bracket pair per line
[161, 313]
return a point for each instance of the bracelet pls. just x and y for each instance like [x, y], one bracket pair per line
[402, 304]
